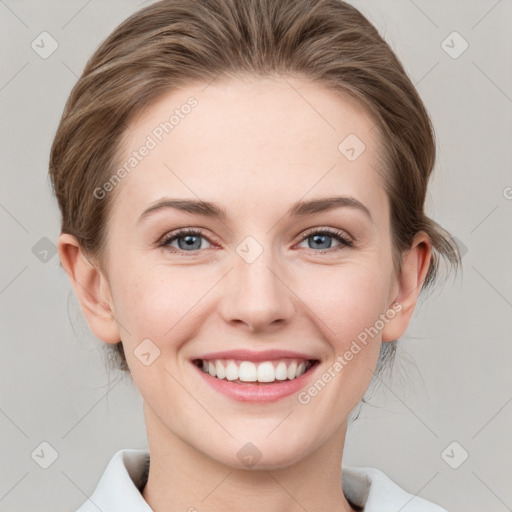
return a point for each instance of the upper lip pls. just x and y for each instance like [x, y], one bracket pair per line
[250, 355]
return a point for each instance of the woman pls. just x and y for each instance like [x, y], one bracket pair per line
[242, 189]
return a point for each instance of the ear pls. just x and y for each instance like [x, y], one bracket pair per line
[415, 264]
[91, 288]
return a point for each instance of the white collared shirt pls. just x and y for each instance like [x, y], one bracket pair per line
[118, 488]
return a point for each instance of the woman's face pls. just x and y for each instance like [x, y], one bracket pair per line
[271, 274]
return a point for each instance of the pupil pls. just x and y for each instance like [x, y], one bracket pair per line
[189, 241]
[320, 238]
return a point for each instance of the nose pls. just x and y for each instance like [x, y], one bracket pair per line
[257, 295]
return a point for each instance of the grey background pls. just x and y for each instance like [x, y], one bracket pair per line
[453, 380]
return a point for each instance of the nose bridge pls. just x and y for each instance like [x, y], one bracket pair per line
[256, 294]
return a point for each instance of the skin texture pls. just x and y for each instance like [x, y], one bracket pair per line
[254, 147]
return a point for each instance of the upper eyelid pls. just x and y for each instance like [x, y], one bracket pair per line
[184, 232]
[332, 231]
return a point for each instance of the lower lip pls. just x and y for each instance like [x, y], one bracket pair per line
[257, 392]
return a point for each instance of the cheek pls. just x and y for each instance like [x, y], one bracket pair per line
[150, 301]
[162, 303]
[347, 299]
[348, 302]
[158, 310]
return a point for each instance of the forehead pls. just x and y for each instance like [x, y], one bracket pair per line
[251, 139]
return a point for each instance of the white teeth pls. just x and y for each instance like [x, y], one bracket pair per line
[292, 370]
[221, 373]
[247, 371]
[231, 371]
[281, 371]
[266, 372]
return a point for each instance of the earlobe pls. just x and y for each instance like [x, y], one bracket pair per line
[415, 264]
[91, 288]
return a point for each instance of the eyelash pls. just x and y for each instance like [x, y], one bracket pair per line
[335, 233]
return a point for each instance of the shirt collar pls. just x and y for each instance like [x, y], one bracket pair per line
[119, 489]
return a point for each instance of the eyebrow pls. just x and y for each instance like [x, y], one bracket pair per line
[299, 209]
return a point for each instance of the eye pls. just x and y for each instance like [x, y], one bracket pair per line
[188, 240]
[322, 239]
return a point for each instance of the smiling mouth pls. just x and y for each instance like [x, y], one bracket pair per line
[249, 372]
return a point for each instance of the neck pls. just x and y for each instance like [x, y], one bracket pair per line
[182, 478]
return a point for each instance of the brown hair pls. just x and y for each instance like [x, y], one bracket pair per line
[173, 43]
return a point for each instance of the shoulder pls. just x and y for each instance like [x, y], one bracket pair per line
[372, 489]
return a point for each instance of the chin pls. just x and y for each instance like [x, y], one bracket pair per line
[264, 454]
